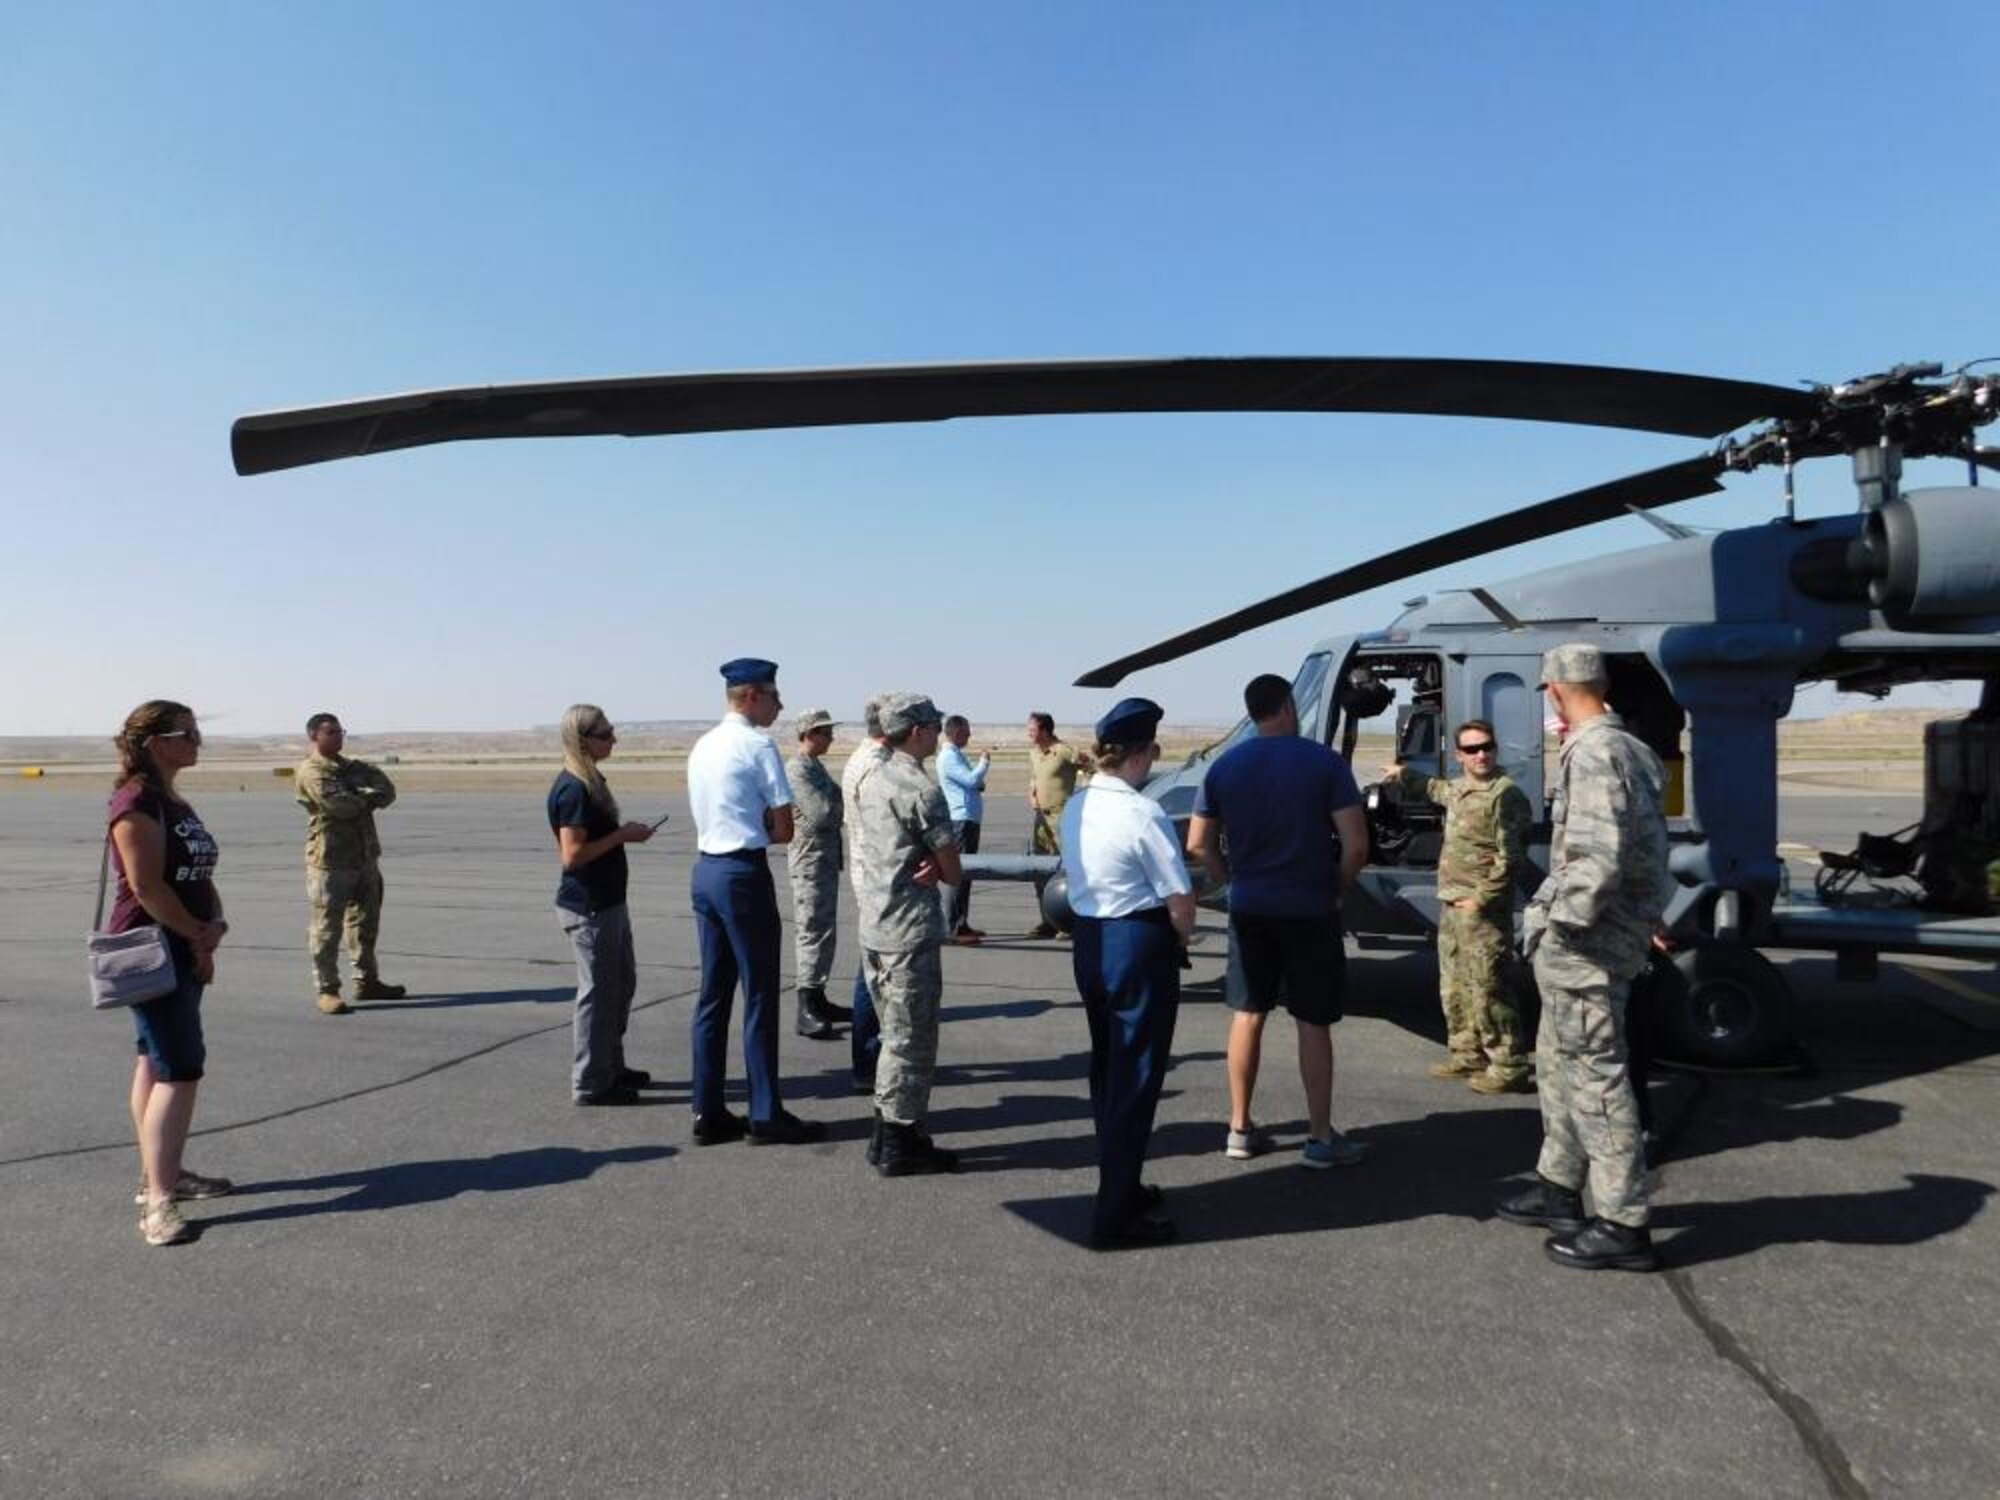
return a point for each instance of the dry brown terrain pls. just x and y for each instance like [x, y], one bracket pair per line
[1880, 749]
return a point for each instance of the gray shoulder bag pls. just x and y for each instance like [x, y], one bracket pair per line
[127, 968]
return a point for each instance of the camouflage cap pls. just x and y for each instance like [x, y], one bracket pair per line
[1575, 661]
[901, 711]
[811, 719]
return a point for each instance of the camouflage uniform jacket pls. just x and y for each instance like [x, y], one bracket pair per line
[817, 811]
[340, 797]
[1485, 837]
[899, 818]
[1608, 880]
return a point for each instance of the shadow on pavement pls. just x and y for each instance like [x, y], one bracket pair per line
[1926, 1209]
[408, 1184]
[478, 997]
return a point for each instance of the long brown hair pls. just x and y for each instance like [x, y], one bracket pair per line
[135, 761]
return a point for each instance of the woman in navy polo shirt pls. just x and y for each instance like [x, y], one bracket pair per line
[590, 905]
[165, 862]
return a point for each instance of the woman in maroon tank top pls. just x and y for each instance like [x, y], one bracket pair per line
[165, 861]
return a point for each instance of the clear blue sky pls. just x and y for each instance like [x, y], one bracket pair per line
[217, 209]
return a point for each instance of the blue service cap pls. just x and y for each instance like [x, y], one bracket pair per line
[746, 670]
[1131, 722]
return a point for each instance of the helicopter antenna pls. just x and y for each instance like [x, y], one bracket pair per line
[1791, 494]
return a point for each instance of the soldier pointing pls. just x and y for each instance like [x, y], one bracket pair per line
[1486, 818]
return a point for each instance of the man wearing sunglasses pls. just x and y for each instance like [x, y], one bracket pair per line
[1486, 818]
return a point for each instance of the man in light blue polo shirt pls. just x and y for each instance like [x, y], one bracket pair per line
[742, 805]
[964, 783]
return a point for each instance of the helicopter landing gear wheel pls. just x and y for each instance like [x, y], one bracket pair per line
[1721, 1005]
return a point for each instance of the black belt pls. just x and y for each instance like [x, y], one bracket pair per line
[741, 856]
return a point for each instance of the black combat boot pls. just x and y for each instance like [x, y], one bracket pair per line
[812, 1024]
[875, 1142]
[1604, 1246]
[1545, 1206]
[908, 1152]
[825, 1009]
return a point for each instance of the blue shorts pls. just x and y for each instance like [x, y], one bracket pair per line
[170, 1027]
[1299, 960]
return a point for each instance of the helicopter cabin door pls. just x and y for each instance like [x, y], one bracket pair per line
[1504, 691]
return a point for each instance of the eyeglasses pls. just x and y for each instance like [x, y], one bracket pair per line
[179, 734]
[600, 734]
[1484, 747]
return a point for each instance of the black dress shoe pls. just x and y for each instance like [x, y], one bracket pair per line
[786, 1129]
[1136, 1234]
[1604, 1246]
[1545, 1206]
[618, 1093]
[714, 1129]
[634, 1078]
[1150, 1197]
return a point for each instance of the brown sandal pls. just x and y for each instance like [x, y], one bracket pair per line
[162, 1224]
[190, 1187]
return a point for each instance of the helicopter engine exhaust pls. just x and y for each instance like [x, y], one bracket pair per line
[1932, 554]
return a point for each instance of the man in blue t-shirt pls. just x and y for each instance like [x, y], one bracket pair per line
[1276, 801]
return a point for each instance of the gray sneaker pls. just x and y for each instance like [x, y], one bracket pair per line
[1336, 1151]
[1244, 1144]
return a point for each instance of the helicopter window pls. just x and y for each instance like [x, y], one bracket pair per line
[1309, 695]
[1417, 737]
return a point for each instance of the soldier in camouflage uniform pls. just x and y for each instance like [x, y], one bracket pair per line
[1486, 818]
[814, 859]
[1588, 930]
[903, 846]
[343, 877]
[864, 1037]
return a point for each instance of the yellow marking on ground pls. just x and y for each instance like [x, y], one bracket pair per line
[1950, 982]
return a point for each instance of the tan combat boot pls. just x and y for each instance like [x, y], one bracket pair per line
[1458, 1067]
[330, 1004]
[1500, 1083]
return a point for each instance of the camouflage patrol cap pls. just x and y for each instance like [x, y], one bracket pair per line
[1575, 661]
[811, 719]
[901, 711]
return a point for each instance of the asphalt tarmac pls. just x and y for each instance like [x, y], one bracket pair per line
[438, 1277]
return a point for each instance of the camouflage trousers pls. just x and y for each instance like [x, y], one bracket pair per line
[343, 899]
[908, 988]
[1482, 1025]
[815, 905]
[1590, 1119]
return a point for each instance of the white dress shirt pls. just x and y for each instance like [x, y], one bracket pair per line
[1119, 851]
[735, 775]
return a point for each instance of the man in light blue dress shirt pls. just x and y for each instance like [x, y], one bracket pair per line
[964, 783]
[742, 805]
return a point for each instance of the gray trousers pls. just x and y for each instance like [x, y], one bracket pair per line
[815, 909]
[607, 976]
[956, 900]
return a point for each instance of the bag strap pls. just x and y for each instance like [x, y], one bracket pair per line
[103, 875]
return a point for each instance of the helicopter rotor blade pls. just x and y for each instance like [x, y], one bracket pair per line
[1645, 400]
[1686, 480]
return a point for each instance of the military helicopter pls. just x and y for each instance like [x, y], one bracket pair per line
[1707, 635]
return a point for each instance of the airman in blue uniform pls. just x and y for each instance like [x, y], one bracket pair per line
[1134, 904]
[742, 805]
